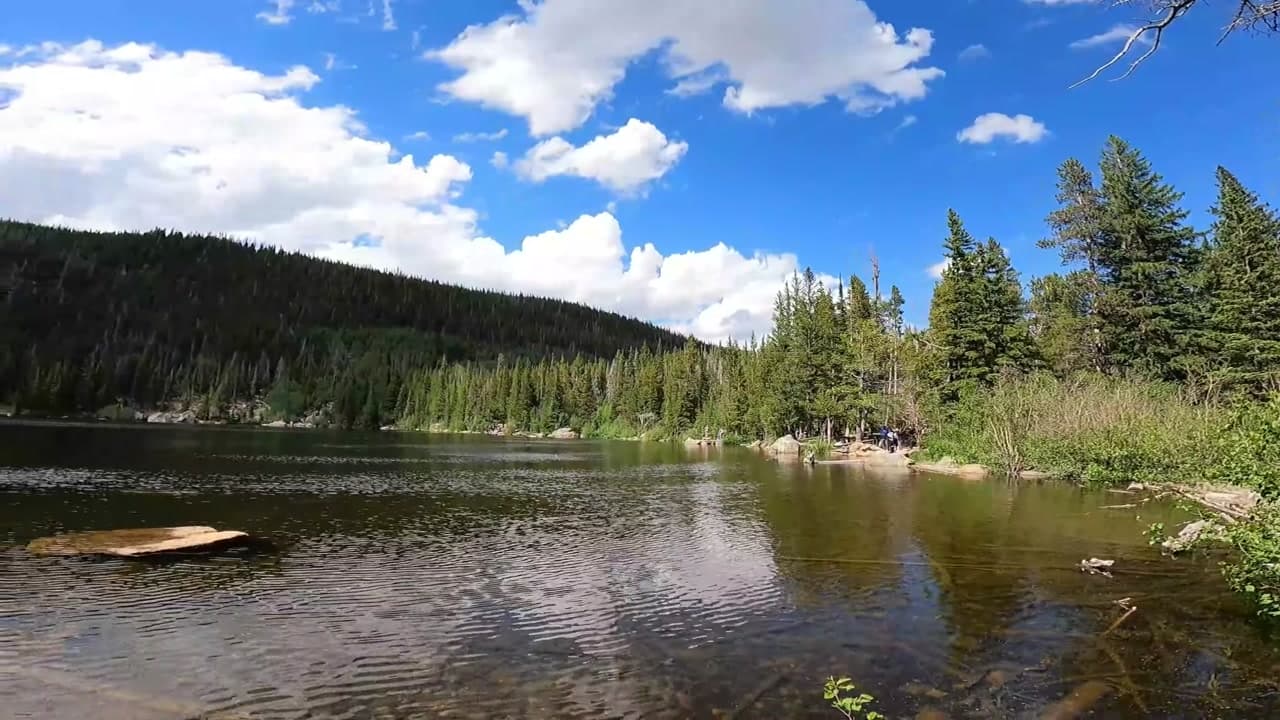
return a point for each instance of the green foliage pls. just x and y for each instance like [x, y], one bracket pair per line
[820, 447]
[852, 706]
[1090, 427]
[1254, 570]
[1247, 450]
[1155, 533]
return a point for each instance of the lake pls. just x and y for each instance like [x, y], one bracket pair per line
[447, 576]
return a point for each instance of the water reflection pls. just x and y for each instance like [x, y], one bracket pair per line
[479, 577]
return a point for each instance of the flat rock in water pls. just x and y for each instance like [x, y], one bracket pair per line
[136, 542]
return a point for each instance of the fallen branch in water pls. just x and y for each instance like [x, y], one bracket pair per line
[1120, 620]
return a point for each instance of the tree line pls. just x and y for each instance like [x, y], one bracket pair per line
[1141, 294]
[90, 319]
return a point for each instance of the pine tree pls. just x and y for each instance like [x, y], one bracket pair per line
[1060, 322]
[1243, 283]
[1147, 260]
[977, 319]
[1077, 234]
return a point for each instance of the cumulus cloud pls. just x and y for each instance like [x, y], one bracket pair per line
[557, 60]
[976, 51]
[135, 137]
[625, 162]
[992, 126]
[1115, 35]
[278, 13]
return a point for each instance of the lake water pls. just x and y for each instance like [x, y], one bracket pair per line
[433, 576]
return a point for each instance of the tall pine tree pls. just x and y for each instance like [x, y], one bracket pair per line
[1147, 260]
[1243, 284]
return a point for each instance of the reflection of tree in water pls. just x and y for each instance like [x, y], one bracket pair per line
[834, 512]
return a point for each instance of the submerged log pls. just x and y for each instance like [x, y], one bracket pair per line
[137, 542]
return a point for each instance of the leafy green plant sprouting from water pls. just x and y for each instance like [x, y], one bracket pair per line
[1156, 534]
[854, 707]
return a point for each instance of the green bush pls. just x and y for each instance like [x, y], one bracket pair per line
[1247, 452]
[1254, 571]
[1091, 428]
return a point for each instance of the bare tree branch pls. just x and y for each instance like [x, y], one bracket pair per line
[1254, 15]
[1174, 10]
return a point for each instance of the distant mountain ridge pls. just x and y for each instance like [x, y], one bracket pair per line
[89, 318]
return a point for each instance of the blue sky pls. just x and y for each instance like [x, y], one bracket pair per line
[387, 133]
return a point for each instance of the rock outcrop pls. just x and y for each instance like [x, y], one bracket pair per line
[564, 433]
[137, 542]
[785, 445]
[175, 417]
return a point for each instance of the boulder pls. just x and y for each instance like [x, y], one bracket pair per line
[785, 445]
[972, 471]
[888, 459]
[276, 424]
[564, 433]
[137, 542]
[692, 442]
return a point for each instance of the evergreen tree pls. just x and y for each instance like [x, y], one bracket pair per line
[1060, 322]
[1147, 260]
[1076, 228]
[1243, 283]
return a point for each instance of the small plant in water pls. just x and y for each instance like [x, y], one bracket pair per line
[854, 707]
[1156, 534]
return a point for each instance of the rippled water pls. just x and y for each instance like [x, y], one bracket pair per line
[468, 577]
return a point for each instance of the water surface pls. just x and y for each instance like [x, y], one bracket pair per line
[429, 576]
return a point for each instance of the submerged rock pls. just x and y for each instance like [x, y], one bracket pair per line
[137, 542]
[1095, 566]
[785, 445]
[1186, 537]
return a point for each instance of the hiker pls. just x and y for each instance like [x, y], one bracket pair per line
[893, 440]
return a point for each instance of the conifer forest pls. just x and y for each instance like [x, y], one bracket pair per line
[91, 320]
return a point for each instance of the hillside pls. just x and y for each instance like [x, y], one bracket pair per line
[87, 319]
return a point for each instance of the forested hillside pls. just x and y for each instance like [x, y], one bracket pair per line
[87, 319]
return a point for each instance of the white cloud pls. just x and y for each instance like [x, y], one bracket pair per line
[626, 161]
[134, 137]
[499, 160]
[278, 14]
[1115, 35]
[1018, 128]
[977, 51]
[388, 16]
[935, 270]
[319, 7]
[470, 137]
[415, 41]
[907, 122]
[557, 60]
[418, 136]
[5, 49]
